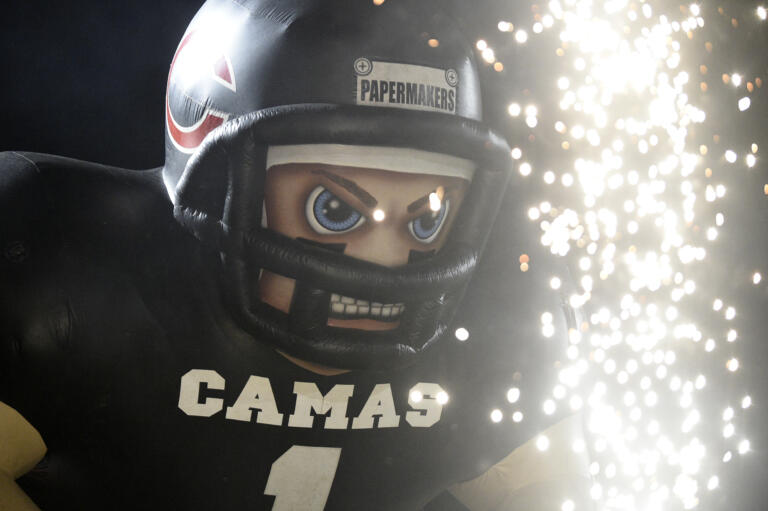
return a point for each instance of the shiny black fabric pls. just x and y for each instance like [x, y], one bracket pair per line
[106, 302]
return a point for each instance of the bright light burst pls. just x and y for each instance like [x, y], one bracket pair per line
[637, 227]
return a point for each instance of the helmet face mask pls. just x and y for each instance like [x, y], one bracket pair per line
[219, 191]
[385, 217]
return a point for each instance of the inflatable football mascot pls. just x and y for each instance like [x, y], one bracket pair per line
[264, 322]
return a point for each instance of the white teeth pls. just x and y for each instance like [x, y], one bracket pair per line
[351, 308]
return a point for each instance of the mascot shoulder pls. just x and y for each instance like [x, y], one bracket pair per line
[51, 206]
[68, 226]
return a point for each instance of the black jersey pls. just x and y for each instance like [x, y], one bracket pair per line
[115, 345]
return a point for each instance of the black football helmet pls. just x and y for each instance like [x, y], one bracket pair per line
[252, 74]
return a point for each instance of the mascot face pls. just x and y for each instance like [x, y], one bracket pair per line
[385, 217]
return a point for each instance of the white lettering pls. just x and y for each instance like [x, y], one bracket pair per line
[408, 86]
[308, 397]
[189, 394]
[379, 403]
[429, 409]
[302, 478]
[426, 401]
[256, 395]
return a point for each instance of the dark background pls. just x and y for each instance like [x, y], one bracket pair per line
[86, 79]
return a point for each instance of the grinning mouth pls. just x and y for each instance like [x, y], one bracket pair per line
[344, 307]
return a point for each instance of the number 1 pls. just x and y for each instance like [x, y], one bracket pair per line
[301, 478]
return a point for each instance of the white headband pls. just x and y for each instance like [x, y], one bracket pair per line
[394, 159]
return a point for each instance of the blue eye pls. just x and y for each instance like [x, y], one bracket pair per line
[327, 214]
[426, 227]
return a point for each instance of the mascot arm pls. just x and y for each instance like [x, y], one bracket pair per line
[21, 448]
[532, 479]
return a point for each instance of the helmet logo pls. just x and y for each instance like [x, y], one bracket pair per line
[222, 73]
[194, 53]
[408, 86]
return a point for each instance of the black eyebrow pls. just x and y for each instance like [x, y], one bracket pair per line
[421, 201]
[366, 198]
[418, 203]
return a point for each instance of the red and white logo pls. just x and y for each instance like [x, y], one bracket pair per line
[192, 57]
